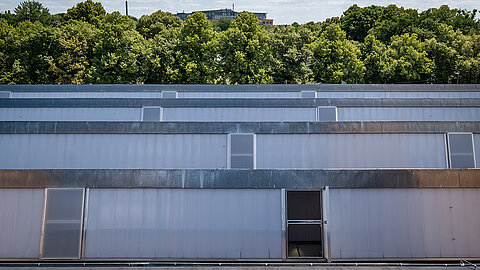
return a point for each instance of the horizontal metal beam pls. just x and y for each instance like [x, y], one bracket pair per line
[239, 88]
[51, 127]
[240, 179]
[235, 102]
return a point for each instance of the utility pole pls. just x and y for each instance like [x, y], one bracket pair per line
[126, 8]
[233, 6]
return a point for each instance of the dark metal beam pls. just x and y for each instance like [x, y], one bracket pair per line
[240, 179]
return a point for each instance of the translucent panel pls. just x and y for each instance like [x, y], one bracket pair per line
[327, 114]
[151, 114]
[63, 223]
[61, 240]
[309, 94]
[21, 213]
[4, 94]
[242, 162]
[184, 223]
[303, 205]
[242, 144]
[64, 204]
[169, 94]
[461, 151]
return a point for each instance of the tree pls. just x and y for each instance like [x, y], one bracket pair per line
[410, 60]
[335, 59]
[33, 11]
[196, 50]
[29, 49]
[87, 11]
[292, 55]
[245, 56]
[74, 42]
[377, 61]
[116, 50]
[357, 21]
[159, 22]
[222, 24]
[394, 21]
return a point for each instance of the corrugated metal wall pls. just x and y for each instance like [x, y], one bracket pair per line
[325, 151]
[476, 145]
[411, 94]
[239, 94]
[227, 94]
[70, 114]
[408, 114]
[74, 94]
[21, 213]
[112, 151]
[238, 114]
[163, 223]
[404, 223]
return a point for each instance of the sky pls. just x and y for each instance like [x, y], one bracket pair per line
[281, 11]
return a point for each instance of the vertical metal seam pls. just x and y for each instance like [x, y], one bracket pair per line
[42, 232]
[284, 223]
[84, 222]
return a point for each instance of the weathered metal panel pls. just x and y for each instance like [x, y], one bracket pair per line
[328, 151]
[238, 114]
[70, 114]
[404, 223]
[476, 145]
[408, 114]
[397, 94]
[239, 94]
[93, 94]
[21, 213]
[109, 151]
[183, 223]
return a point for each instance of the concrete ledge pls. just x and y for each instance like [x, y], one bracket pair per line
[240, 179]
[239, 88]
[51, 127]
[235, 102]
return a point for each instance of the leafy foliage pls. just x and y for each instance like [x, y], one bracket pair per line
[372, 44]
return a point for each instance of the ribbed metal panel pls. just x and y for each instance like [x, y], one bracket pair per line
[476, 145]
[174, 223]
[404, 223]
[325, 151]
[239, 94]
[74, 94]
[408, 114]
[21, 213]
[395, 94]
[109, 151]
[238, 114]
[70, 114]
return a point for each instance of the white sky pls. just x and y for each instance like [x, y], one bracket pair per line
[282, 11]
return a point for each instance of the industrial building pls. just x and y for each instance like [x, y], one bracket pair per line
[249, 173]
[216, 14]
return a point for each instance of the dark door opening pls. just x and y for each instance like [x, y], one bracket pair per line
[304, 224]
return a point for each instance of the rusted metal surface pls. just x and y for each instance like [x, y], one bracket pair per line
[240, 179]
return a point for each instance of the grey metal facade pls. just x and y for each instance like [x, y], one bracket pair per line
[203, 172]
[21, 212]
[184, 223]
[404, 223]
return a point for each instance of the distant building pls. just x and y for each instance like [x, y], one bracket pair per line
[215, 15]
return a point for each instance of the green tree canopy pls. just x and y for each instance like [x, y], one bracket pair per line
[159, 22]
[32, 11]
[244, 53]
[86, 11]
[336, 59]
